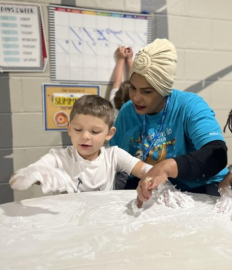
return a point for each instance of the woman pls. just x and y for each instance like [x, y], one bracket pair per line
[173, 130]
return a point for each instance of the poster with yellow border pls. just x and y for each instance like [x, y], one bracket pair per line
[58, 100]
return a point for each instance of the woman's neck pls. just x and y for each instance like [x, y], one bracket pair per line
[160, 107]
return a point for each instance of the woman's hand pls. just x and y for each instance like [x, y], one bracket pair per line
[168, 195]
[156, 176]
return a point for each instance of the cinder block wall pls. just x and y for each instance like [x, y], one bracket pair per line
[201, 32]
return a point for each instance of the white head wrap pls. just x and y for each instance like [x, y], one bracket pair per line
[157, 63]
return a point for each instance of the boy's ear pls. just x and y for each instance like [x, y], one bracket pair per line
[111, 133]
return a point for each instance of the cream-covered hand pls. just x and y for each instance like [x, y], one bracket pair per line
[224, 203]
[157, 175]
[168, 195]
[51, 179]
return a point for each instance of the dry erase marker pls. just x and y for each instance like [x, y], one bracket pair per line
[145, 12]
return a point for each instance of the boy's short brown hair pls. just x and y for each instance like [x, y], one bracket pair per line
[96, 106]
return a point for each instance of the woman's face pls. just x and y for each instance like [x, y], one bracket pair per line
[145, 98]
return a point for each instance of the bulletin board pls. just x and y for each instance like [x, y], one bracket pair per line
[58, 100]
[83, 41]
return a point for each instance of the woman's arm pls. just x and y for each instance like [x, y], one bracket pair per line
[203, 163]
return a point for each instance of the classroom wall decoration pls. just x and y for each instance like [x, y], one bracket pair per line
[83, 41]
[58, 100]
[22, 46]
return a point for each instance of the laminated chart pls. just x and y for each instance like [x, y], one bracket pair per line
[83, 41]
[22, 44]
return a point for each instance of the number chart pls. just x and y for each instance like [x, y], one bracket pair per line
[83, 41]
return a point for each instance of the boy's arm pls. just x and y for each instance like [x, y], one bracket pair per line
[140, 169]
[129, 59]
[119, 66]
[44, 171]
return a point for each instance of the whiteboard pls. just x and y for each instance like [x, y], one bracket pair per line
[83, 41]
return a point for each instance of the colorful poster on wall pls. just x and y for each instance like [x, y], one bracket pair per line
[58, 102]
[22, 42]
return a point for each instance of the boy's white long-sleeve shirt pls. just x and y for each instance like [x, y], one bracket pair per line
[98, 174]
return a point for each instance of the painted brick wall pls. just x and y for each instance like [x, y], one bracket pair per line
[201, 32]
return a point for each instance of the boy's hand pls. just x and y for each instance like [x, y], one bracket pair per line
[129, 53]
[51, 179]
[120, 53]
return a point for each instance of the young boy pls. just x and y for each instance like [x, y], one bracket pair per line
[86, 165]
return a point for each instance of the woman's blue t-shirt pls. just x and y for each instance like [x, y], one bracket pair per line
[189, 124]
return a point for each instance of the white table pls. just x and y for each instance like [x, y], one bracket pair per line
[96, 230]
